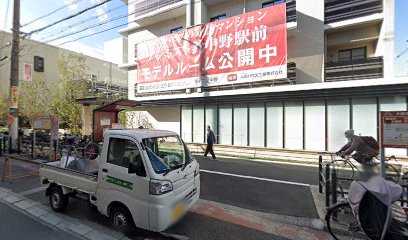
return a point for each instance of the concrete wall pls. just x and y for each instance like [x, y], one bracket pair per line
[104, 70]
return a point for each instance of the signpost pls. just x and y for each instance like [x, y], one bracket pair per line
[393, 132]
[47, 123]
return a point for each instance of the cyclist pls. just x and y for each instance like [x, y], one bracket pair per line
[364, 152]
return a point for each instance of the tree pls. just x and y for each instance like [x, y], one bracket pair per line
[3, 107]
[72, 84]
[35, 98]
[135, 119]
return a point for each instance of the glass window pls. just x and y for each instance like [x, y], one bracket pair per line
[365, 116]
[352, 54]
[274, 124]
[198, 124]
[178, 29]
[211, 118]
[396, 103]
[219, 17]
[225, 124]
[271, 3]
[257, 124]
[167, 153]
[122, 152]
[240, 124]
[186, 123]
[293, 124]
[315, 122]
[338, 121]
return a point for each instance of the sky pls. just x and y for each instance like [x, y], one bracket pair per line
[93, 46]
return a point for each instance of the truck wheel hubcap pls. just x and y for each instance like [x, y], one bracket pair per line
[55, 199]
[120, 220]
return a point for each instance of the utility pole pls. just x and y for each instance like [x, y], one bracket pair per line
[14, 75]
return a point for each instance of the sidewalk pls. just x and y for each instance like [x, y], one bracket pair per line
[15, 225]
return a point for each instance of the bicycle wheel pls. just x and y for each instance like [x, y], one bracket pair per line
[342, 224]
[344, 169]
[391, 173]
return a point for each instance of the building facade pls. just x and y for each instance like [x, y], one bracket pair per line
[105, 77]
[340, 75]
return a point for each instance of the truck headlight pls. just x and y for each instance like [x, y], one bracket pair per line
[197, 170]
[159, 187]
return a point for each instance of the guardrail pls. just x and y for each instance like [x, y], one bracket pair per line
[25, 168]
[327, 182]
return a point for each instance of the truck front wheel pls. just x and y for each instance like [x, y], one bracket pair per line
[121, 219]
[58, 201]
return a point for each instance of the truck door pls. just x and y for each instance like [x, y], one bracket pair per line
[117, 184]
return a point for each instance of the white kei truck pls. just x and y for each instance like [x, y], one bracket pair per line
[143, 178]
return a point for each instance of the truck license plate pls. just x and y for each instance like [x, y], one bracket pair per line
[178, 211]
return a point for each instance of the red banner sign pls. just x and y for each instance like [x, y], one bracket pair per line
[245, 48]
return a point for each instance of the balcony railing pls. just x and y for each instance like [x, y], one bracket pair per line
[354, 70]
[347, 9]
[143, 7]
[291, 11]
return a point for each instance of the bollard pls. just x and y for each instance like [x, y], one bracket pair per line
[320, 174]
[327, 179]
[19, 144]
[334, 185]
[10, 145]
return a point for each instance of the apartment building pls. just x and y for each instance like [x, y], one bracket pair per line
[105, 78]
[339, 75]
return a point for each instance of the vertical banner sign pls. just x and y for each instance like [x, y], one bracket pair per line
[14, 97]
[28, 72]
[55, 128]
[245, 48]
[394, 129]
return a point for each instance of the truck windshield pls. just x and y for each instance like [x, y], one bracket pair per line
[167, 153]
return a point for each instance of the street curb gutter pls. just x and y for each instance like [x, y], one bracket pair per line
[35, 211]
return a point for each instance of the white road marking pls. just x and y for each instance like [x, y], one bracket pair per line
[256, 178]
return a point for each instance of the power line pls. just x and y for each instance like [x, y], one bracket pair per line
[69, 17]
[121, 25]
[52, 12]
[59, 31]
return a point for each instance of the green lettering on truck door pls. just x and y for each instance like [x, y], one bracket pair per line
[119, 182]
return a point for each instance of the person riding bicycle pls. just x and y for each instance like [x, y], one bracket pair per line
[364, 152]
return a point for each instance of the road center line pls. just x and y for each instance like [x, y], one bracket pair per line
[256, 178]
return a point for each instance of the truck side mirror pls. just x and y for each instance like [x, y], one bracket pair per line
[137, 167]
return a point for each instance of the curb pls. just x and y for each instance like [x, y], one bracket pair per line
[39, 213]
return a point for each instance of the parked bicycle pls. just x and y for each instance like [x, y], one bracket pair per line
[369, 212]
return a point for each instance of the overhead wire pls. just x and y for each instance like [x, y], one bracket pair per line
[52, 12]
[67, 18]
[64, 29]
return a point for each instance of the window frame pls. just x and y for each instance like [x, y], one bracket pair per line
[125, 139]
[217, 18]
[177, 29]
[350, 50]
[272, 3]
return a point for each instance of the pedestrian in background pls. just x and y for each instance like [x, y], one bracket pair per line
[210, 143]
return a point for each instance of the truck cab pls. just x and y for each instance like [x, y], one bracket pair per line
[145, 177]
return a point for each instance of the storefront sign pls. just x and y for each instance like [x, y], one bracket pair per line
[105, 121]
[394, 129]
[245, 48]
[28, 72]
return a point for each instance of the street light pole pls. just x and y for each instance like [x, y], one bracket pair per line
[14, 70]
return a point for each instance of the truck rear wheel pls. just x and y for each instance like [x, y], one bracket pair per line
[58, 201]
[121, 219]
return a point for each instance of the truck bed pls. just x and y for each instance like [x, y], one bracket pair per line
[79, 181]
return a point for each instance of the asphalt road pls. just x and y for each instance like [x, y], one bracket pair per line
[254, 193]
[15, 225]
